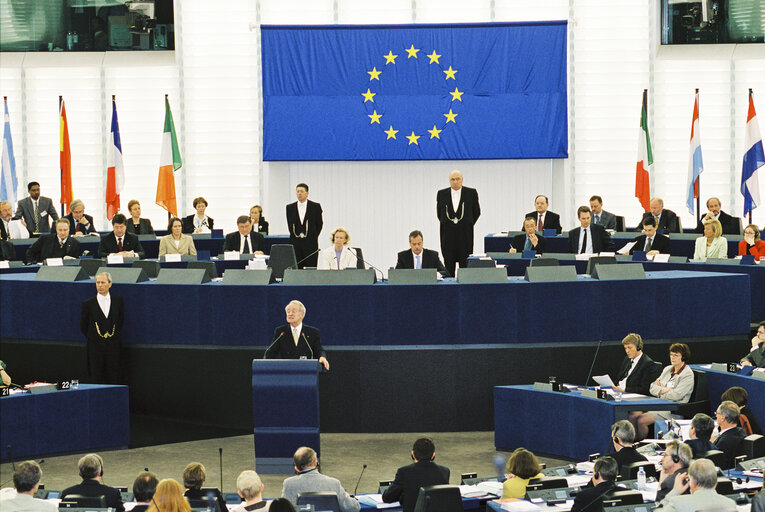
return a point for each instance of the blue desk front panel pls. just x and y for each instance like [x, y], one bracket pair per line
[718, 382]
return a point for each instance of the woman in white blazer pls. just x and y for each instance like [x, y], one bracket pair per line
[175, 242]
[339, 255]
[712, 244]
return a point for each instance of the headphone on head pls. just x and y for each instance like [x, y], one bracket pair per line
[675, 456]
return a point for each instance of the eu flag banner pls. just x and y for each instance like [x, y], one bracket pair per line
[415, 92]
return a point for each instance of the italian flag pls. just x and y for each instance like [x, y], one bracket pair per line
[65, 157]
[170, 161]
[644, 159]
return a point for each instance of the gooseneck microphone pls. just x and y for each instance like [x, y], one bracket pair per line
[363, 468]
[355, 253]
[220, 459]
[592, 366]
[271, 345]
[314, 252]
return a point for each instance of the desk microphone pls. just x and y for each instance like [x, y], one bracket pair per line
[272, 344]
[592, 366]
[8, 452]
[355, 253]
[314, 252]
[364, 467]
[220, 460]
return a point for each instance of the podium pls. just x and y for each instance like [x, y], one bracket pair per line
[285, 409]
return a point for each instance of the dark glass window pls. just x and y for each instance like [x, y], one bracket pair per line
[712, 21]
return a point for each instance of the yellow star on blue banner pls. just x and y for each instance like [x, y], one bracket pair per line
[413, 139]
[434, 132]
[374, 74]
[375, 117]
[391, 133]
[450, 73]
[390, 58]
[412, 51]
[451, 117]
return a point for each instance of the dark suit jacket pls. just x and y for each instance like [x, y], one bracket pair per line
[627, 455]
[188, 225]
[729, 443]
[199, 494]
[756, 428]
[406, 486]
[262, 226]
[668, 484]
[430, 259]
[4, 235]
[130, 242]
[283, 346]
[7, 251]
[47, 247]
[728, 222]
[660, 243]
[756, 357]
[700, 446]
[667, 221]
[519, 242]
[457, 237]
[234, 240]
[639, 381]
[144, 226]
[601, 241]
[552, 220]
[79, 227]
[93, 488]
[312, 222]
[26, 210]
[91, 315]
[590, 499]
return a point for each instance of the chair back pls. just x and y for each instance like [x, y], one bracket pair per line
[716, 456]
[630, 471]
[282, 257]
[622, 497]
[753, 446]
[600, 260]
[439, 498]
[619, 223]
[480, 263]
[323, 500]
[359, 258]
[203, 503]
[536, 484]
[544, 262]
[85, 501]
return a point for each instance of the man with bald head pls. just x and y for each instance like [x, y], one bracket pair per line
[666, 220]
[730, 224]
[458, 210]
[308, 479]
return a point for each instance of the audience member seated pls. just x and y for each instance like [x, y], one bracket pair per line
[250, 488]
[338, 256]
[417, 257]
[80, 222]
[712, 244]
[675, 383]
[175, 242]
[650, 241]
[194, 476]
[54, 245]
[259, 223]
[26, 480]
[308, 479]
[590, 499]
[10, 228]
[756, 355]
[521, 467]
[545, 219]
[588, 238]
[751, 244]
[666, 220]
[198, 222]
[91, 467]
[244, 240]
[701, 479]
[4, 377]
[281, 505]
[119, 241]
[144, 487]
[728, 223]
[169, 498]
[600, 216]
[424, 472]
[528, 241]
[638, 370]
[701, 432]
[7, 251]
[729, 439]
[622, 436]
[136, 224]
[740, 397]
[758, 502]
[677, 457]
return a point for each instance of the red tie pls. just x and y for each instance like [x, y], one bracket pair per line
[119, 244]
[541, 223]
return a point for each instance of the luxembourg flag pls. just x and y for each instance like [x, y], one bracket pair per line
[695, 162]
[754, 159]
[115, 171]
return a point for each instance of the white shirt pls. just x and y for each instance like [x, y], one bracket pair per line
[623, 382]
[541, 219]
[588, 249]
[62, 242]
[105, 303]
[301, 209]
[414, 259]
[296, 332]
[201, 223]
[456, 195]
[242, 238]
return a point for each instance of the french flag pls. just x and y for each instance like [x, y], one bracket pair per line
[115, 172]
[695, 162]
[754, 159]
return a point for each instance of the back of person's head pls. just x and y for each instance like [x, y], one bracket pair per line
[304, 458]
[704, 473]
[606, 468]
[623, 432]
[26, 476]
[680, 453]
[248, 484]
[424, 449]
[194, 475]
[145, 486]
[90, 466]
[523, 464]
[169, 498]
[729, 411]
[736, 394]
[703, 425]
[281, 505]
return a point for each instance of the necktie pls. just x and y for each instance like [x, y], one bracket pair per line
[597, 219]
[37, 218]
[541, 226]
[60, 243]
[295, 335]
[418, 265]
[656, 218]
[246, 249]
[119, 244]
[647, 244]
[527, 246]
[584, 241]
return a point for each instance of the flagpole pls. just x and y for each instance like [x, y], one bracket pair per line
[698, 181]
[750, 100]
[60, 171]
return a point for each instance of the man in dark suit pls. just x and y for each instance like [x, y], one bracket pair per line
[36, 210]
[756, 356]
[700, 432]
[245, 240]
[101, 322]
[622, 436]
[637, 371]
[731, 435]
[730, 224]
[530, 240]
[423, 473]
[54, 245]
[418, 257]
[7, 251]
[458, 210]
[119, 241]
[81, 223]
[144, 487]
[666, 220]
[304, 220]
[544, 218]
[295, 340]
[91, 468]
[588, 238]
[590, 499]
[600, 216]
[650, 241]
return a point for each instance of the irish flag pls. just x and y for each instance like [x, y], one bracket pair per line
[169, 162]
[644, 159]
[65, 157]
[115, 171]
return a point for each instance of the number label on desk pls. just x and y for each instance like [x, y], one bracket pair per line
[5, 391]
[64, 384]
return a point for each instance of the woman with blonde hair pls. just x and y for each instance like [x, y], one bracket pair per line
[338, 256]
[169, 498]
[712, 244]
[521, 467]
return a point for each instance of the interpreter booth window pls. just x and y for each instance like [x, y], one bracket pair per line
[86, 25]
[712, 21]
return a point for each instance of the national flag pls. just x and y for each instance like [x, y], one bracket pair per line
[67, 193]
[170, 161]
[754, 160]
[695, 162]
[8, 182]
[644, 158]
[115, 170]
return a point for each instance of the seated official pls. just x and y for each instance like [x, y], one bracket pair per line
[600, 216]
[417, 257]
[4, 377]
[712, 244]
[26, 480]
[194, 476]
[637, 370]
[80, 223]
[666, 220]
[650, 241]
[54, 245]
[590, 499]
[700, 434]
[751, 244]
[338, 256]
[91, 467]
[588, 238]
[175, 242]
[728, 223]
[756, 355]
[295, 340]
[740, 397]
[622, 437]
[675, 383]
[119, 241]
[424, 472]
[7, 251]
[528, 241]
[249, 487]
[521, 467]
[701, 479]
[758, 501]
[144, 487]
[729, 439]
[308, 479]
[259, 223]
[136, 224]
[244, 240]
[169, 498]
[676, 459]
[198, 222]
[544, 218]
[10, 228]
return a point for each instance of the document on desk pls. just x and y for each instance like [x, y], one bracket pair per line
[603, 380]
[520, 506]
[626, 248]
[577, 480]
[375, 500]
